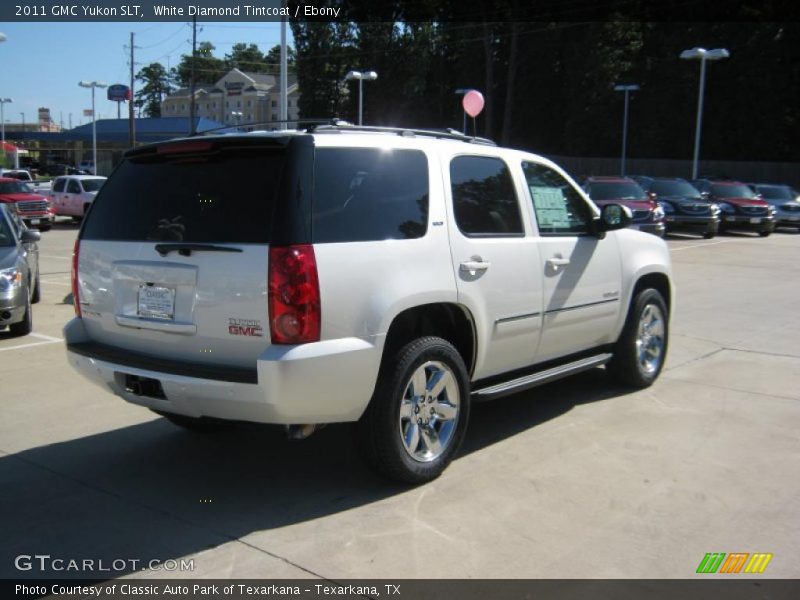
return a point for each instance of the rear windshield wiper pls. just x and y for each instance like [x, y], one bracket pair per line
[186, 249]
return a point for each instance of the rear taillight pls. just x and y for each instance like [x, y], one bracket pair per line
[294, 303]
[76, 299]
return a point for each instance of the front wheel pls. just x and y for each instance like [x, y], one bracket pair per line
[764, 233]
[25, 326]
[418, 414]
[642, 347]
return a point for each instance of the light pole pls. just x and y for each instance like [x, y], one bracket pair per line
[703, 55]
[22, 114]
[627, 89]
[369, 76]
[93, 85]
[461, 92]
[3, 102]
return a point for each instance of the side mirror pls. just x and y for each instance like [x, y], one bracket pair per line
[31, 235]
[614, 216]
[653, 196]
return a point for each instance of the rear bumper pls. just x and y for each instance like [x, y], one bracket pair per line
[325, 382]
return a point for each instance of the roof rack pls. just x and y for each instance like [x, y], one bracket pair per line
[240, 127]
[337, 126]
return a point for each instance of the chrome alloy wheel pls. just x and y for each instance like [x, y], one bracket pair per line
[650, 339]
[429, 411]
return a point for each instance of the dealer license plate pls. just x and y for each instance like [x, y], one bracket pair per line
[156, 302]
[34, 221]
[755, 220]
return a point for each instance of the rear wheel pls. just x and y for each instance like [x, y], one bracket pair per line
[418, 415]
[642, 347]
[764, 233]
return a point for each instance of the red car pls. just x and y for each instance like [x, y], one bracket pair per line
[740, 207]
[647, 214]
[35, 210]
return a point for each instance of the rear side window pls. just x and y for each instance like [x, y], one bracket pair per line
[73, 187]
[484, 200]
[223, 197]
[368, 194]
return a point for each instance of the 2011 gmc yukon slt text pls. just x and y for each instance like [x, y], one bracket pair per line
[387, 278]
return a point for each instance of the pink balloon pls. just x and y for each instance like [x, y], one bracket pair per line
[473, 103]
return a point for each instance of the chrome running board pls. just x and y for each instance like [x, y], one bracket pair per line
[529, 381]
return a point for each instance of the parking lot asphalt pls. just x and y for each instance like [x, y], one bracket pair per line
[577, 479]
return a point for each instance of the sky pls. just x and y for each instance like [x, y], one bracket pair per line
[42, 63]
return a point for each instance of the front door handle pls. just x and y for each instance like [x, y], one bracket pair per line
[471, 266]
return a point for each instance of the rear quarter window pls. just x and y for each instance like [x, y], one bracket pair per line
[368, 194]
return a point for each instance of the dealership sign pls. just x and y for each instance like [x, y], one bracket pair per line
[119, 92]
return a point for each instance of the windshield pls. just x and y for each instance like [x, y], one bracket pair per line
[674, 188]
[616, 191]
[775, 192]
[92, 185]
[732, 191]
[15, 187]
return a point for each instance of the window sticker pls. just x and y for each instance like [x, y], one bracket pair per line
[551, 207]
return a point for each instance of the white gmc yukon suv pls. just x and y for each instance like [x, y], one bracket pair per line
[378, 276]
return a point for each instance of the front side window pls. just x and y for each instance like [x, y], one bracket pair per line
[559, 208]
[484, 201]
[368, 194]
[58, 186]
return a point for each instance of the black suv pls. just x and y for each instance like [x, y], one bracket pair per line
[685, 208]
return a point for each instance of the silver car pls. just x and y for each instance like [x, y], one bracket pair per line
[784, 199]
[19, 273]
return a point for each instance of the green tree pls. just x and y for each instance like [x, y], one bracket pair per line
[273, 59]
[246, 57]
[207, 68]
[157, 83]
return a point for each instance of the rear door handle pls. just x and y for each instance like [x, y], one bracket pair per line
[471, 266]
[558, 261]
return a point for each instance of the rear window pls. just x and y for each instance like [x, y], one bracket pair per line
[369, 194]
[92, 185]
[222, 197]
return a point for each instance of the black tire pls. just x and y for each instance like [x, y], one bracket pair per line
[200, 425]
[709, 235]
[25, 326]
[764, 233]
[44, 228]
[626, 367]
[37, 291]
[384, 435]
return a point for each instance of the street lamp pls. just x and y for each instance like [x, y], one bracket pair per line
[93, 85]
[369, 76]
[627, 89]
[461, 92]
[703, 55]
[3, 102]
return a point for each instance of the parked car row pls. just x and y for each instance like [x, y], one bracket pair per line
[705, 206]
